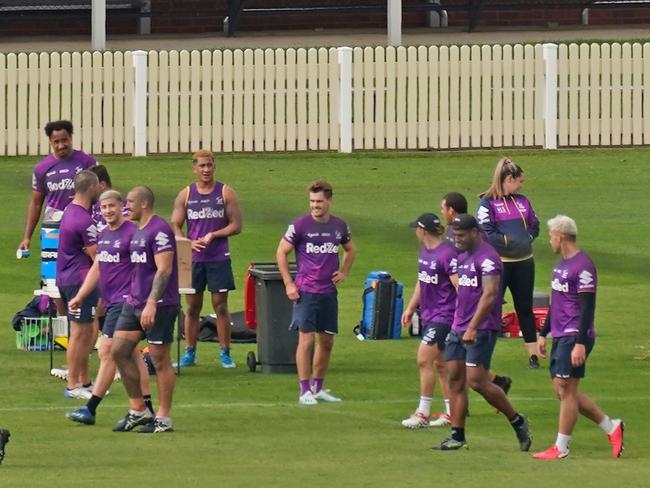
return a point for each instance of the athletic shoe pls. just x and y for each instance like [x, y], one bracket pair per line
[325, 396]
[442, 421]
[78, 393]
[533, 362]
[187, 360]
[81, 415]
[506, 384]
[450, 444]
[60, 373]
[132, 420]
[307, 398]
[4, 439]
[551, 453]
[155, 427]
[416, 421]
[226, 360]
[616, 438]
[117, 377]
[523, 435]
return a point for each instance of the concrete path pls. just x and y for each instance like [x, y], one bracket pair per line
[328, 37]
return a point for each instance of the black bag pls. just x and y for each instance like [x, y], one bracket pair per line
[37, 307]
[239, 332]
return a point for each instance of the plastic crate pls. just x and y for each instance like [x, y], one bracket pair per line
[33, 334]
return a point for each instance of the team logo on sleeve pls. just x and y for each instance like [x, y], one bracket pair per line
[487, 266]
[453, 265]
[291, 232]
[483, 215]
[586, 278]
[91, 230]
[162, 239]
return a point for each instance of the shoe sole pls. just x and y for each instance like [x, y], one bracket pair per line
[620, 453]
[438, 448]
[415, 427]
[79, 420]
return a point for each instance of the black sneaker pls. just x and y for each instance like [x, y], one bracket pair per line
[505, 383]
[156, 427]
[4, 439]
[523, 435]
[450, 444]
[533, 362]
[131, 421]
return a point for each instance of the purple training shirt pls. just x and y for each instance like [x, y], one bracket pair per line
[115, 268]
[472, 267]
[205, 214]
[437, 293]
[76, 232]
[317, 251]
[54, 177]
[154, 238]
[570, 278]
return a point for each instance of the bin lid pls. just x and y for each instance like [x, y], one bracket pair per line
[270, 271]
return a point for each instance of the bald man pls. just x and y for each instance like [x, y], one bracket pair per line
[149, 313]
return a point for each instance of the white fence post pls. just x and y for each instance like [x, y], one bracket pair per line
[394, 22]
[140, 103]
[98, 18]
[345, 99]
[550, 96]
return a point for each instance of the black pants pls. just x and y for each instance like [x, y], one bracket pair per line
[519, 277]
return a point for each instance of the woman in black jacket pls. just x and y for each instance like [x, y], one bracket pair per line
[509, 222]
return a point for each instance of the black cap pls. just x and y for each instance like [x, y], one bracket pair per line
[428, 222]
[464, 222]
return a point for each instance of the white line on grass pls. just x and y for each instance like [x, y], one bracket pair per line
[182, 406]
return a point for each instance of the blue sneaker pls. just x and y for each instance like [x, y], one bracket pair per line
[188, 359]
[226, 360]
[81, 415]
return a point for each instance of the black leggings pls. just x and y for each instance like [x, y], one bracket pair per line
[519, 277]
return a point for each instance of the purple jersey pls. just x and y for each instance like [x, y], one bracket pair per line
[113, 254]
[317, 251]
[77, 231]
[571, 277]
[54, 177]
[206, 213]
[437, 293]
[155, 237]
[96, 214]
[472, 267]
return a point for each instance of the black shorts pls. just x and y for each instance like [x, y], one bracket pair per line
[84, 314]
[477, 353]
[435, 333]
[561, 366]
[217, 276]
[316, 312]
[162, 331]
[113, 313]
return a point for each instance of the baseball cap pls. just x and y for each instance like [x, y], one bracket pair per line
[426, 221]
[464, 222]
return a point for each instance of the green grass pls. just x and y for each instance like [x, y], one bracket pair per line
[240, 429]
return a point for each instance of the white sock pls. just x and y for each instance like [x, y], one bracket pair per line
[562, 442]
[607, 425]
[425, 406]
[447, 406]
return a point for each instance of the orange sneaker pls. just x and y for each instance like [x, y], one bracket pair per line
[551, 453]
[616, 439]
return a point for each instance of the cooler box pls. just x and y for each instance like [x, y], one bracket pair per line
[49, 252]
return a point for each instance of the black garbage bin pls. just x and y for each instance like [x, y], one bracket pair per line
[276, 344]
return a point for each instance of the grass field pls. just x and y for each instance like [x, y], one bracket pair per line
[234, 428]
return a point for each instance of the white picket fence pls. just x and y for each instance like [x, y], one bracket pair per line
[330, 98]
